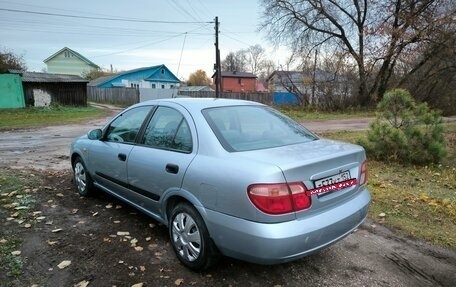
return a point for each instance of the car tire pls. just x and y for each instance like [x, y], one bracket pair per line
[190, 239]
[82, 179]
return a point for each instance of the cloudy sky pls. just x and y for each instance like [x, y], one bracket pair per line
[132, 34]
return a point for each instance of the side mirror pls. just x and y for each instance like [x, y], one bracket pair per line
[95, 134]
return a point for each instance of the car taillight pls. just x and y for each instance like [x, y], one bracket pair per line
[363, 175]
[279, 198]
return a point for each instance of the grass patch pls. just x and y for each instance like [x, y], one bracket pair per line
[16, 200]
[303, 113]
[43, 116]
[418, 201]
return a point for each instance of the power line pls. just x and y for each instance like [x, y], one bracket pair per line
[102, 18]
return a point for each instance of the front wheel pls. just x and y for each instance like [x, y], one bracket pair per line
[82, 178]
[190, 238]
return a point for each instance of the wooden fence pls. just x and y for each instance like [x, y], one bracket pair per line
[116, 96]
[129, 96]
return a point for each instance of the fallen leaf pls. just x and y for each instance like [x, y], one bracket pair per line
[40, 218]
[151, 225]
[139, 248]
[56, 230]
[16, 253]
[21, 207]
[3, 241]
[60, 195]
[28, 225]
[16, 214]
[138, 285]
[75, 210]
[51, 243]
[116, 221]
[64, 264]
[118, 206]
[95, 214]
[142, 268]
[84, 283]
[133, 242]
[382, 214]
[121, 262]
[123, 233]
[109, 206]
[179, 281]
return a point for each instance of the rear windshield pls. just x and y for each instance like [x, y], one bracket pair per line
[243, 128]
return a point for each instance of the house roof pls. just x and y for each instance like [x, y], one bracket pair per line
[153, 70]
[81, 57]
[36, 77]
[236, 74]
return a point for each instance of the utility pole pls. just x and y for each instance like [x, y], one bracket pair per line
[218, 73]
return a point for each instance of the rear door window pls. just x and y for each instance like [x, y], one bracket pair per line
[168, 129]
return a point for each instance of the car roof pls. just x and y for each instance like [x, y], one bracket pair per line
[200, 103]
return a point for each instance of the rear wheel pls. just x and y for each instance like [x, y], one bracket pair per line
[82, 178]
[190, 238]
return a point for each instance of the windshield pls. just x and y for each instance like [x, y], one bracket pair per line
[243, 128]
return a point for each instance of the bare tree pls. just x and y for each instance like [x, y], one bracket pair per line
[374, 33]
[235, 61]
[255, 58]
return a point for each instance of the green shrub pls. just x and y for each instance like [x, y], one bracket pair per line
[405, 131]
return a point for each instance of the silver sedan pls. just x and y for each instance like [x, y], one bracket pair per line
[227, 177]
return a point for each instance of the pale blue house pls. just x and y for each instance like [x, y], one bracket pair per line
[155, 77]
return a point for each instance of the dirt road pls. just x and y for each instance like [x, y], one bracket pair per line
[371, 256]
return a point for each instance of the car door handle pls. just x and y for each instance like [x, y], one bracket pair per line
[122, 156]
[172, 168]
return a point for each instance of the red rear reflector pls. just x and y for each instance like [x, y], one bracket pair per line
[279, 198]
[363, 174]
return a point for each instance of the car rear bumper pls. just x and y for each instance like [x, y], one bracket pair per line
[264, 243]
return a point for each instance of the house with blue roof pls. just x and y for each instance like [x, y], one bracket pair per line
[155, 77]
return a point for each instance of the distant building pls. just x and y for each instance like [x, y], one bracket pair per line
[316, 85]
[155, 77]
[44, 89]
[238, 82]
[196, 89]
[69, 62]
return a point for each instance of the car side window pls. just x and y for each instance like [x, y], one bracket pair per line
[125, 127]
[168, 129]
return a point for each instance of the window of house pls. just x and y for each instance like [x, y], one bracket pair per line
[163, 71]
[153, 86]
[239, 81]
[171, 86]
[131, 85]
[163, 86]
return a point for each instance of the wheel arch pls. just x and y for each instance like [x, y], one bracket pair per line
[175, 197]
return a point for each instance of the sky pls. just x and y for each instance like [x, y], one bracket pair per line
[135, 33]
